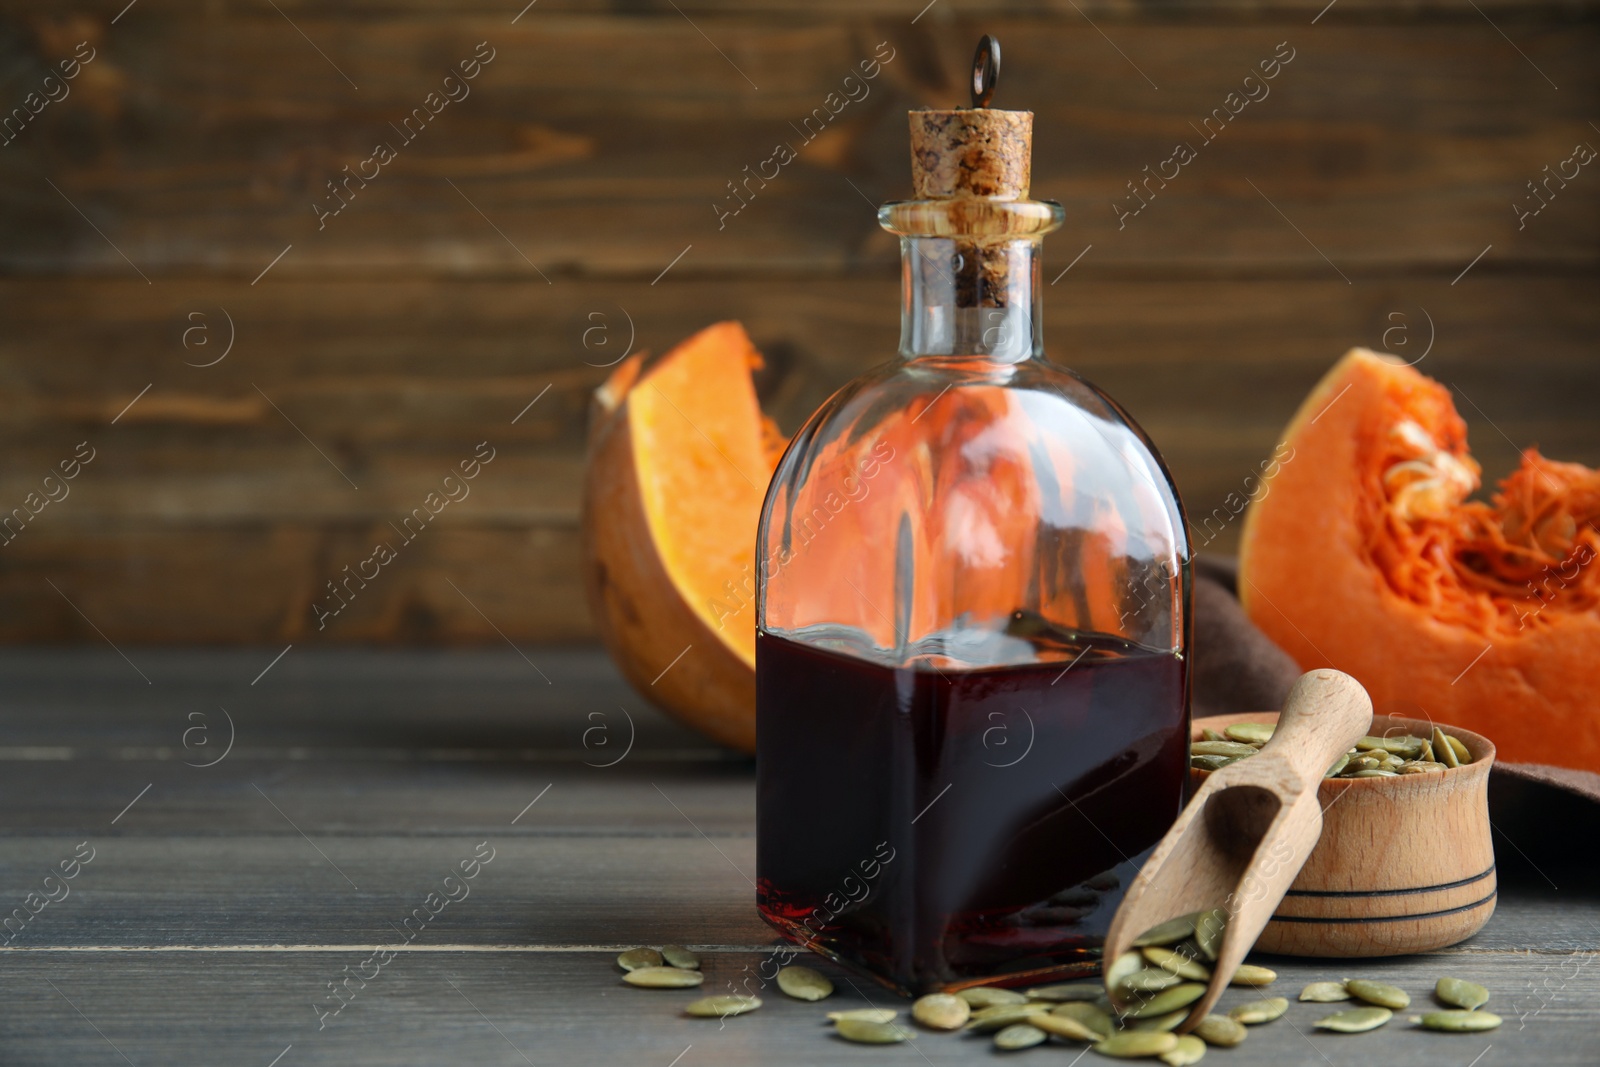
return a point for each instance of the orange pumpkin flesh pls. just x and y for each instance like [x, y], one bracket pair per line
[680, 457]
[1362, 553]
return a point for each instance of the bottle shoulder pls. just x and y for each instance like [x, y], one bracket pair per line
[944, 403]
[928, 495]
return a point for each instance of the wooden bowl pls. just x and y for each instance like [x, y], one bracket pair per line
[1404, 864]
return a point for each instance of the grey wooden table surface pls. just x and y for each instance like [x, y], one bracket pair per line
[211, 907]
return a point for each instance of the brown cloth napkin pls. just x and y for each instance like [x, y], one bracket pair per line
[1537, 810]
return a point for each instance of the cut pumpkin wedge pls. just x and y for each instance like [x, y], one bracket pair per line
[1364, 553]
[680, 458]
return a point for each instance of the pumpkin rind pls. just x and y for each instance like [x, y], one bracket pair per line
[1318, 574]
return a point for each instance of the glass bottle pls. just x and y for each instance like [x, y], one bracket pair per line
[973, 597]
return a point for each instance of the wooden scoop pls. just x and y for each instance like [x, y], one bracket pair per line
[1240, 842]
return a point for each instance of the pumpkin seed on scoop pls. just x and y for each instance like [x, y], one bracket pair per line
[804, 983]
[1178, 996]
[1089, 1015]
[1355, 1020]
[1069, 1028]
[1168, 933]
[1120, 969]
[1149, 980]
[1170, 1021]
[1465, 995]
[1177, 963]
[1209, 926]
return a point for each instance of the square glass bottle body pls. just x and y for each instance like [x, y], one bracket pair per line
[971, 662]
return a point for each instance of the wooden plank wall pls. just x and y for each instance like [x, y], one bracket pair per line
[165, 205]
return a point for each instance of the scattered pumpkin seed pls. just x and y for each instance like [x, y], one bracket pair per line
[1178, 964]
[941, 1011]
[1189, 1050]
[871, 1032]
[1208, 734]
[635, 958]
[1220, 1030]
[1458, 1022]
[1168, 933]
[804, 983]
[1379, 993]
[663, 978]
[1000, 1016]
[1209, 927]
[1167, 1000]
[722, 1006]
[984, 996]
[1250, 733]
[1089, 1015]
[1355, 1020]
[870, 1015]
[1251, 975]
[1069, 1028]
[678, 956]
[1149, 980]
[1067, 991]
[1466, 995]
[1019, 1036]
[1325, 992]
[1210, 763]
[1137, 1044]
[1260, 1011]
[1170, 1021]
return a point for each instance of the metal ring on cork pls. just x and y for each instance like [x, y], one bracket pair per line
[985, 70]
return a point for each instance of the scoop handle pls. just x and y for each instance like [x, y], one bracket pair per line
[1327, 712]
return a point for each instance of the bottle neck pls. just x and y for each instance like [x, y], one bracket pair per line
[970, 296]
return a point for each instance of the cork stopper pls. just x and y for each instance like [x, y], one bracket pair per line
[970, 152]
[973, 152]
